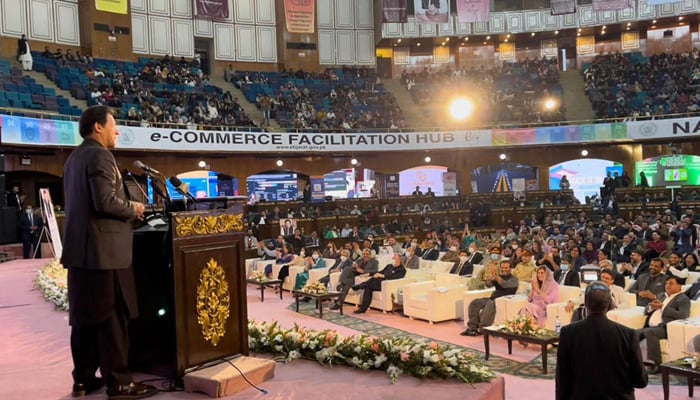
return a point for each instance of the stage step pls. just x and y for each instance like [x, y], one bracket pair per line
[223, 380]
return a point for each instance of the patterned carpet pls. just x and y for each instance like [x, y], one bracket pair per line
[531, 369]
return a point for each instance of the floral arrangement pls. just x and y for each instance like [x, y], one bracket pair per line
[258, 276]
[52, 281]
[397, 355]
[525, 324]
[315, 288]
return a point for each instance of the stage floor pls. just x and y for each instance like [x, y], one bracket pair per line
[35, 358]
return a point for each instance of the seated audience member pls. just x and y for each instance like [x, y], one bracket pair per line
[284, 257]
[677, 268]
[670, 306]
[482, 312]
[525, 270]
[636, 267]
[475, 256]
[392, 271]
[478, 281]
[691, 262]
[545, 291]
[411, 261]
[651, 284]
[452, 255]
[693, 291]
[330, 251]
[267, 251]
[616, 293]
[250, 241]
[565, 275]
[431, 252]
[365, 266]
[341, 263]
[313, 262]
[462, 267]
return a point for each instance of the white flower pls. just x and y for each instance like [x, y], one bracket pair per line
[278, 347]
[379, 360]
[278, 338]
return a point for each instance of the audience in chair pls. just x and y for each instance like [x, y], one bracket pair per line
[392, 271]
[482, 312]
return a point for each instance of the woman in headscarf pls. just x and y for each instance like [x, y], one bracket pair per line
[545, 291]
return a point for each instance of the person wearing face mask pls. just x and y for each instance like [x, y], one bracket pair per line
[478, 281]
[30, 228]
[313, 262]
[344, 261]
[411, 261]
[461, 267]
[565, 275]
[452, 254]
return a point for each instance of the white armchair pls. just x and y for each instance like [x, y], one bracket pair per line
[318, 273]
[383, 299]
[471, 295]
[436, 300]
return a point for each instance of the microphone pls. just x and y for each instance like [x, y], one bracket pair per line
[182, 188]
[147, 168]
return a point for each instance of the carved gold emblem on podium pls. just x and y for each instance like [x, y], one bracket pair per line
[199, 225]
[213, 302]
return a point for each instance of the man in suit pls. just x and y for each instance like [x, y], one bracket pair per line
[461, 267]
[368, 287]
[287, 228]
[693, 291]
[430, 253]
[365, 265]
[98, 255]
[340, 265]
[482, 312]
[670, 306]
[412, 261]
[30, 230]
[14, 200]
[636, 267]
[598, 358]
[651, 284]
[565, 275]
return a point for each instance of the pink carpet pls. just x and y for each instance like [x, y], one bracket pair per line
[35, 358]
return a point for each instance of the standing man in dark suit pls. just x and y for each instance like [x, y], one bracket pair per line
[669, 306]
[98, 255]
[598, 358]
[30, 229]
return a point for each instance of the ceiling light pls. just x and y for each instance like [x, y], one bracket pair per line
[353, 161]
[428, 159]
[502, 156]
[584, 152]
[279, 163]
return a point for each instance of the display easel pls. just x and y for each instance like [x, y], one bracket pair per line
[49, 227]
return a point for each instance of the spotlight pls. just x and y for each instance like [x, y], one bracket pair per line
[202, 164]
[428, 159]
[279, 163]
[353, 161]
[502, 156]
[584, 153]
[461, 109]
[550, 104]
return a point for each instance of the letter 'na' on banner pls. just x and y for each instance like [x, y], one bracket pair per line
[112, 6]
[473, 10]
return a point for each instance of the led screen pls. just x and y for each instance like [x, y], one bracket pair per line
[273, 187]
[499, 177]
[670, 170]
[429, 176]
[585, 175]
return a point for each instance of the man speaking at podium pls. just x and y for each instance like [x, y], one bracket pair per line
[98, 254]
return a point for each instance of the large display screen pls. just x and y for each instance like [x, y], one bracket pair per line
[428, 176]
[670, 170]
[499, 177]
[201, 184]
[349, 183]
[585, 175]
[273, 187]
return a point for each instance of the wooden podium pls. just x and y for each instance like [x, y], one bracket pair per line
[191, 289]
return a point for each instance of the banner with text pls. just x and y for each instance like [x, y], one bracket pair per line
[394, 11]
[657, 2]
[449, 184]
[112, 6]
[473, 10]
[45, 132]
[47, 212]
[561, 7]
[300, 15]
[212, 8]
[611, 5]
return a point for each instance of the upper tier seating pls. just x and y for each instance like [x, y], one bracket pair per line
[633, 86]
[23, 92]
[337, 99]
[172, 92]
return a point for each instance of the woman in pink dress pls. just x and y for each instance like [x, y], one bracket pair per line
[545, 290]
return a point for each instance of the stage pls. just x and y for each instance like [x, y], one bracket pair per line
[35, 358]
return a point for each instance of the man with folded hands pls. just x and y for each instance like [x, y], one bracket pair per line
[390, 272]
